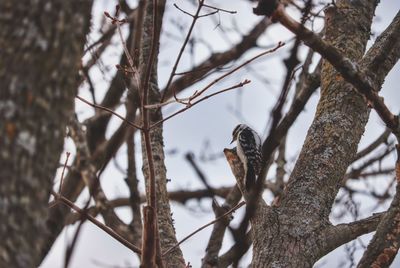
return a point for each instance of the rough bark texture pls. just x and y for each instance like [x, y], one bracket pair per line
[41, 46]
[96, 127]
[165, 224]
[384, 53]
[291, 233]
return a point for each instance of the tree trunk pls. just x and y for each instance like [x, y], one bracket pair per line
[291, 235]
[164, 215]
[41, 47]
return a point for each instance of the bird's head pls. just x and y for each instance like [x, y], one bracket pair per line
[237, 130]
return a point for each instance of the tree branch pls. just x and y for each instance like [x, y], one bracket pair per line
[380, 140]
[351, 71]
[384, 53]
[304, 91]
[180, 196]
[343, 233]
[217, 235]
[108, 230]
[228, 257]
[385, 244]
[217, 59]
[230, 211]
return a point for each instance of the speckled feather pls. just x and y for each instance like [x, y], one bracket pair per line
[249, 152]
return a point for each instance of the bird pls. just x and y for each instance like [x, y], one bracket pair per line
[248, 151]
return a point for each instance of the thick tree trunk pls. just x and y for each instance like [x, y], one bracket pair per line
[41, 46]
[291, 235]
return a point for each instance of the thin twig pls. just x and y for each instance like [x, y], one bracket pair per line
[178, 58]
[105, 228]
[62, 173]
[198, 93]
[110, 111]
[108, 34]
[241, 84]
[185, 12]
[205, 226]
[118, 23]
[384, 245]
[217, 59]
[134, 70]
[159, 105]
[221, 9]
[208, 14]
[190, 158]
[380, 140]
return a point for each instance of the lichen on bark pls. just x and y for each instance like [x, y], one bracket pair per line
[41, 46]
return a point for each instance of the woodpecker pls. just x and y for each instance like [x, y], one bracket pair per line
[249, 152]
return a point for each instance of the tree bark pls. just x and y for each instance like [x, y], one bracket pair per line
[164, 215]
[41, 47]
[291, 235]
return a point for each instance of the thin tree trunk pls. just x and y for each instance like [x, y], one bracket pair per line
[164, 215]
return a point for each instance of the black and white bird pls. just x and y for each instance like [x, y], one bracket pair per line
[249, 152]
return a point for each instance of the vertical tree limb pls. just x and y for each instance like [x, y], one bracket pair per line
[134, 195]
[164, 220]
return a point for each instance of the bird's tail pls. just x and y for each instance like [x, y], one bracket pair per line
[250, 178]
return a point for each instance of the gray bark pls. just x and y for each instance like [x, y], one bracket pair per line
[164, 215]
[293, 237]
[293, 234]
[41, 46]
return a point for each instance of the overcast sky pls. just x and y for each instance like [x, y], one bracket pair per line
[207, 127]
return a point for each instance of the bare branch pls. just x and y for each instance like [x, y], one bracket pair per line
[305, 90]
[190, 105]
[180, 196]
[384, 53]
[386, 242]
[198, 93]
[108, 230]
[178, 58]
[221, 9]
[91, 180]
[255, 208]
[355, 172]
[206, 225]
[343, 233]
[217, 235]
[217, 59]
[110, 31]
[380, 140]
[151, 241]
[229, 257]
[62, 173]
[108, 110]
[350, 70]
[132, 182]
